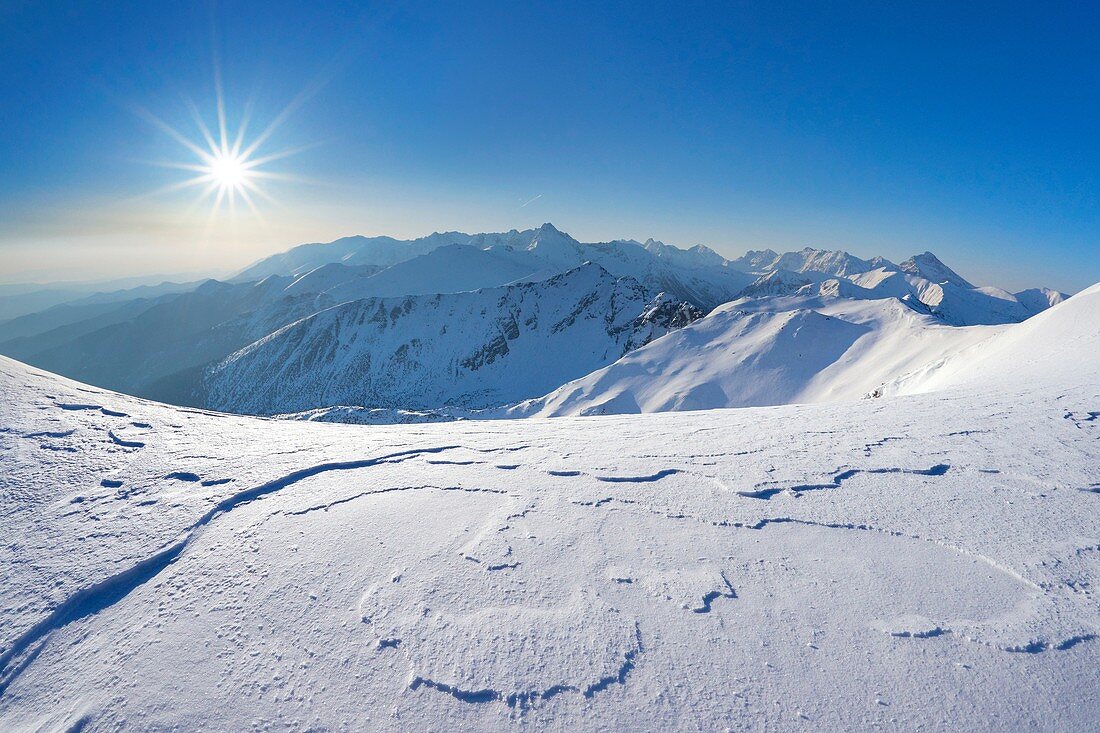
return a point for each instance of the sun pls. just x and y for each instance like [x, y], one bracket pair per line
[229, 171]
[227, 167]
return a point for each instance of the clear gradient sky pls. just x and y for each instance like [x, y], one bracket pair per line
[968, 129]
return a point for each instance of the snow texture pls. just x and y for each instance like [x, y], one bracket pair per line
[925, 561]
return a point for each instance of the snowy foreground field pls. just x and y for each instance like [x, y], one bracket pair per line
[927, 560]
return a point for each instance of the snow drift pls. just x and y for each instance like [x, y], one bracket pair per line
[891, 563]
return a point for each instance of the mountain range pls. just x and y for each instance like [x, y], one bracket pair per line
[473, 349]
[519, 323]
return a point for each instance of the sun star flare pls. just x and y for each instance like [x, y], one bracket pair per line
[227, 168]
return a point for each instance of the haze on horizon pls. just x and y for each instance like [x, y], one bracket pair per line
[882, 130]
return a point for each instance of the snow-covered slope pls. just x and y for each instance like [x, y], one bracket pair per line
[821, 345]
[357, 250]
[326, 277]
[962, 306]
[474, 349]
[449, 269]
[908, 563]
[768, 351]
[780, 282]
[944, 293]
[1060, 343]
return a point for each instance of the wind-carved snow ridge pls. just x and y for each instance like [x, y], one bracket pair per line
[109, 591]
[521, 695]
[390, 489]
[86, 602]
[123, 441]
[1083, 419]
[710, 597]
[657, 476]
[75, 406]
[840, 477]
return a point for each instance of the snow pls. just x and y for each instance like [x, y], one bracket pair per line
[1038, 300]
[1062, 342]
[769, 351]
[449, 269]
[825, 262]
[929, 267]
[780, 282]
[205, 347]
[926, 561]
[326, 277]
[454, 261]
[474, 349]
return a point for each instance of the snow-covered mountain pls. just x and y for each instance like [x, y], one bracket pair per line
[808, 259]
[453, 262]
[767, 351]
[165, 344]
[827, 342]
[1046, 347]
[905, 563]
[160, 349]
[929, 267]
[472, 349]
[1037, 300]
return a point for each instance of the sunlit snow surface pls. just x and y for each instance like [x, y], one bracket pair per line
[925, 562]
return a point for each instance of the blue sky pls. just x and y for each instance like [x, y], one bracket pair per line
[881, 128]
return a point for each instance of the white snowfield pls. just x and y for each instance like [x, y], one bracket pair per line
[772, 351]
[921, 562]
